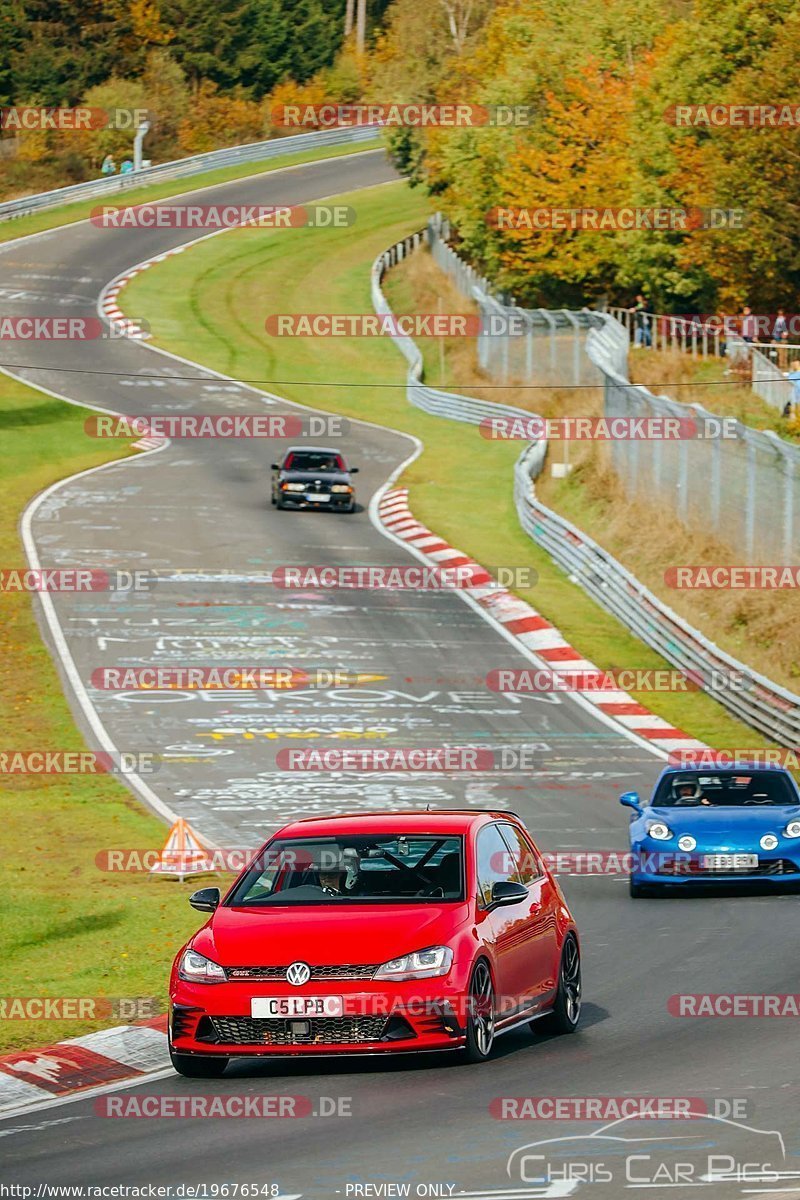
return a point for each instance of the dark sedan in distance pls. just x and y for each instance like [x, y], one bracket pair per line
[313, 477]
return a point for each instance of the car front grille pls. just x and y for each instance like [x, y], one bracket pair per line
[322, 1031]
[775, 866]
[329, 971]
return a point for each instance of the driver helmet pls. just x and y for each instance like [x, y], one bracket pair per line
[686, 791]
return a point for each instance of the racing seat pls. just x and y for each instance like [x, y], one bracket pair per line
[450, 873]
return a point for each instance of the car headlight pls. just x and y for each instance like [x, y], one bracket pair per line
[768, 841]
[659, 831]
[792, 829]
[687, 842]
[293, 487]
[341, 487]
[424, 964]
[196, 968]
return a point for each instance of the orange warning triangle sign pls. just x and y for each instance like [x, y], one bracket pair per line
[183, 853]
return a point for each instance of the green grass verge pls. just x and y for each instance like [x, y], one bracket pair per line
[53, 218]
[209, 305]
[68, 929]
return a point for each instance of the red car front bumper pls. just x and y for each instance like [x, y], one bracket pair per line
[420, 1015]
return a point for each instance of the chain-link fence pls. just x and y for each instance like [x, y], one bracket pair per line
[765, 706]
[744, 487]
[520, 344]
[761, 364]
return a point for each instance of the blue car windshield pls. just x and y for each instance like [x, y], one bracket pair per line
[696, 789]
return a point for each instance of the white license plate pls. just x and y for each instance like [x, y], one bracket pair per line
[296, 1006]
[317, 499]
[729, 862]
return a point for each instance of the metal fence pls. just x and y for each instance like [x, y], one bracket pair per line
[756, 700]
[767, 379]
[743, 487]
[183, 168]
[532, 344]
[762, 363]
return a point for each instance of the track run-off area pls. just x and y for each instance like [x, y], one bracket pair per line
[195, 514]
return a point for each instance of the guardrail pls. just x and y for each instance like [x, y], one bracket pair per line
[183, 168]
[766, 377]
[772, 710]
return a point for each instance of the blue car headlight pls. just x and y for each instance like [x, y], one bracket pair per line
[792, 829]
[687, 842]
[768, 841]
[659, 831]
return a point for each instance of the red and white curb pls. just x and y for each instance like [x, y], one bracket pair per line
[109, 1056]
[531, 629]
[109, 306]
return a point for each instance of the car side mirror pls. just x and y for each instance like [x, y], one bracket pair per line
[354, 470]
[631, 800]
[206, 900]
[508, 893]
[275, 467]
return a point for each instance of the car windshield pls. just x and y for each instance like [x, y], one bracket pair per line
[729, 790]
[312, 460]
[363, 870]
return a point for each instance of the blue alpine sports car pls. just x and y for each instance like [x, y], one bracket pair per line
[721, 824]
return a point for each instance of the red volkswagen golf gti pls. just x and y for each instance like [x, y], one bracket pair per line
[386, 933]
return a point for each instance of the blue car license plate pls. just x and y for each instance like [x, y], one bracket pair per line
[729, 862]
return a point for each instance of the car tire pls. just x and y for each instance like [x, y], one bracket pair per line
[480, 1020]
[198, 1066]
[566, 1013]
[637, 890]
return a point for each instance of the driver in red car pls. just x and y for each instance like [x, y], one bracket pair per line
[342, 877]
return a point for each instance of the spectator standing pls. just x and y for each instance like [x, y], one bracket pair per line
[126, 168]
[780, 330]
[780, 336]
[794, 376]
[642, 335]
[109, 167]
[749, 325]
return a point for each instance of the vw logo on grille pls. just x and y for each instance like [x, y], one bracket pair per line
[298, 973]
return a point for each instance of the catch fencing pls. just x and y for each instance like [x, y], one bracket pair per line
[744, 487]
[184, 168]
[756, 700]
[761, 364]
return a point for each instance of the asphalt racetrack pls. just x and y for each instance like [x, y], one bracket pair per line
[196, 515]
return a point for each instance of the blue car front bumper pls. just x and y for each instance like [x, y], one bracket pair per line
[659, 866]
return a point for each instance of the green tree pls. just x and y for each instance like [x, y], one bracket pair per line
[316, 36]
[210, 39]
[13, 30]
[268, 58]
[60, 57]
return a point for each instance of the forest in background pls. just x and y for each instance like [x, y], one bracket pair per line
[598, 77]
